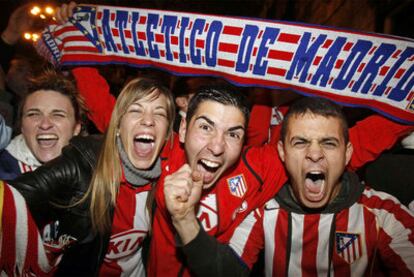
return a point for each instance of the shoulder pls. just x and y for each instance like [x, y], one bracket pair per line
[5, 155]
[271, 207]
[259, 157]
[384, 205]
[375, 198]
[82, 143]
[85, 147]
[9, 166]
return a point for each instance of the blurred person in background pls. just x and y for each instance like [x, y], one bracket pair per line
[18, 60]
[184, 89]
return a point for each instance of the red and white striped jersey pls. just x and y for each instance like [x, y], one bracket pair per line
[373, 234]
[25, 168]
[22, 252]
[129, 228]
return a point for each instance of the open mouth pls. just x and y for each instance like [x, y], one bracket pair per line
[47, 140]
[209, 166]
[209, 169]
[144, 144]
[315, 184]
[315, 176]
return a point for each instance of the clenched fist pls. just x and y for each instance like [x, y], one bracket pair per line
[182, 191]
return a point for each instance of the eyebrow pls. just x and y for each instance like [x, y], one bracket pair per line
[38, 110]
[299, 138]
[329, 138]
[141, 106]
[236, 128]
[211, 122]
[320, 140]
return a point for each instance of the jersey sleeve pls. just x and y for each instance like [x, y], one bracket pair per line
[372, 136]
[266, 166]
[395, 233]
[259, 125]
[23, 253]
[247, 239]
[95, 90]
[51, 186]
[215, 259]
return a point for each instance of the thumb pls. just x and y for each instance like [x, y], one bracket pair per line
[197, 177]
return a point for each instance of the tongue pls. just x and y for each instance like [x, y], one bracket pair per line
[47, 142]
[207, 174]
[142, 148]
[314, 186]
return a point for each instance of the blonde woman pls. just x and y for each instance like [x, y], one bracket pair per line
[100, 200]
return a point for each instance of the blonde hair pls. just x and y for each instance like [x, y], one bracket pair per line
[107, 175]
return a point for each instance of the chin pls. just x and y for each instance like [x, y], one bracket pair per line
[43, 158]
[143, 165]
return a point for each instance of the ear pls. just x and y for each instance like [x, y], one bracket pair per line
[182, 102]
[348, 152]
[78, 128]
[281, 150]
[183, 129]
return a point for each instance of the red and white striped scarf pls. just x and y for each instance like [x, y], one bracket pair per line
[349, 67]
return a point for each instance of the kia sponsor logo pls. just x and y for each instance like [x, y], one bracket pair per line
[124, 244]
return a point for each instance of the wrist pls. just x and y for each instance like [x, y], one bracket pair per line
[186, 228]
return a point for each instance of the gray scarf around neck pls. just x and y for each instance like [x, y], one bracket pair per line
[136, 176]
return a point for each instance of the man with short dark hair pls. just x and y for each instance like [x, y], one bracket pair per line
[324, 221]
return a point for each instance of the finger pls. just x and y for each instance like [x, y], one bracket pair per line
[197, 184]
[180, 194]
[197, 177]
[173, 184]
[65, 12]
[59, 14]
[71, 7]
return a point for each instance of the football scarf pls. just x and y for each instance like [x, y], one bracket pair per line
[349, 67]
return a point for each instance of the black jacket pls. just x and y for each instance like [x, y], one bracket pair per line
[49, 192]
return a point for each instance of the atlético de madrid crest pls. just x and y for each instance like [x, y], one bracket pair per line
[237, 185]
[348, 246]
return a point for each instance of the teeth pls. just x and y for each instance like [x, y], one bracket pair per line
[210, 163]
[47, 137]
[315, 172]
[147, 137]
[315, 175]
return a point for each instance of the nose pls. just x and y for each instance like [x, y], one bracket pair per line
[45, 123]
[147, 119]
[314, 152]
[217, 144]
